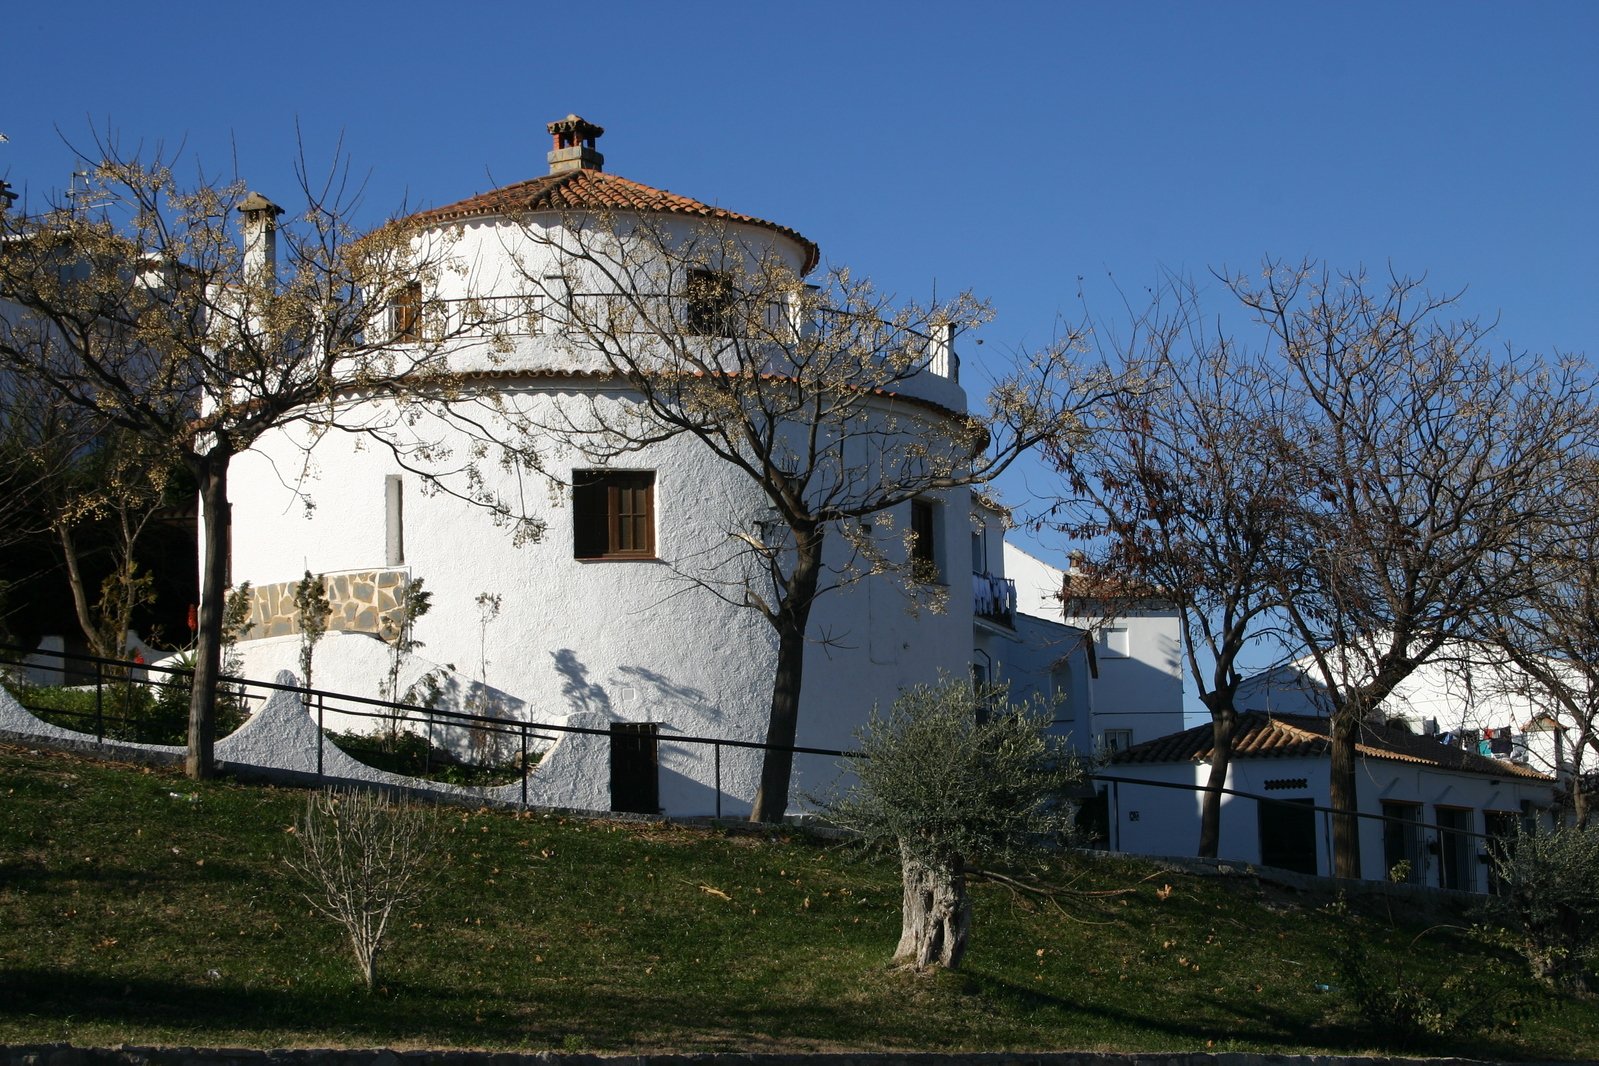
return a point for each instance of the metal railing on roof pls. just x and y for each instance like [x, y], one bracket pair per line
[665, 315]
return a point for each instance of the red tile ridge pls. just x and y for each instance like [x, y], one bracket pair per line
[596, 190]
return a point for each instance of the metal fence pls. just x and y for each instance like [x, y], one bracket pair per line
[1486, 845]
[116, 682]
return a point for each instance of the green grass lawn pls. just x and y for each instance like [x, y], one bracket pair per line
[137, 906]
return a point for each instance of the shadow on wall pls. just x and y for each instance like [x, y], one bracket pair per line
[672, 701]
[641, 694]
[583, 695]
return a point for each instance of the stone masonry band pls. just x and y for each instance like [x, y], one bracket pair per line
[363, 601]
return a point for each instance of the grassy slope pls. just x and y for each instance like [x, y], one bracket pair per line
[137, 907]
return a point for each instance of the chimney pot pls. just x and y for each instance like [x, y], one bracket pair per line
[574, 140]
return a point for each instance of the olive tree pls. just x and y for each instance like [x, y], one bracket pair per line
[952, 778]
[1549, 895]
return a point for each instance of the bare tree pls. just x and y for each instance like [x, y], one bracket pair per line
[809, 390]
[362, 857]
[148, 310]
[949, 787]
[1429, 462]
[1550, 636]
[1184, 482]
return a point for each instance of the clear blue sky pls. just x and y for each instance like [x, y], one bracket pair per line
[1009, 148]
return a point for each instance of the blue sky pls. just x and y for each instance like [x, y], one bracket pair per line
[1010, 148]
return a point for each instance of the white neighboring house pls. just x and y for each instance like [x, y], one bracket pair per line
[1018, 637]
[596, 625]
[1439, 810]
[1466, 695]
[1135, 645]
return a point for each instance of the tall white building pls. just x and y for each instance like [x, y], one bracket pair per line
[615, 617]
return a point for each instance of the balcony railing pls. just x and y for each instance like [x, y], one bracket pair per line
[540, 314]
[994, 598]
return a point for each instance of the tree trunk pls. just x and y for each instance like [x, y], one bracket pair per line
[1224, 723]
[782, 724]
[80, 594]
[936, 914]
[211, 471]
[1341, 790]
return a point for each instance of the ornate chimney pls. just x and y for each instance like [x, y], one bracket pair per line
[260, 237]
[574, 145]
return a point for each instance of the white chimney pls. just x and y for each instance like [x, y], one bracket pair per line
[260, 238]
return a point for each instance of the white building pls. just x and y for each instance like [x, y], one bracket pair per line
[1465, 694]
[1434, 811]
[612, 619]
[1134, 644]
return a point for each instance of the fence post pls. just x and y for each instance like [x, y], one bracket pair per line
[321, 733]
[716, 751]
[99, 700]
[1327, 840]
[523, 724]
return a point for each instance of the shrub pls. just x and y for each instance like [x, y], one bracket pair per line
[1549, 898]
[362, 856]
[1409, 1008]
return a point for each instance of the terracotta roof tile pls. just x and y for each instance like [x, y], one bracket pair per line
[595, 190]
[1285, 736]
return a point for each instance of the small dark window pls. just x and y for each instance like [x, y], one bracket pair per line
[1457, 849]
[613, 514]
[712, 302]
[922, 542]
[405, 314]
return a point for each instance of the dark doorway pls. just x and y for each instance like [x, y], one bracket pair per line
[1402, 843]
[1501, 828]
[1288, 834]
[1457, 852]
[635, 781]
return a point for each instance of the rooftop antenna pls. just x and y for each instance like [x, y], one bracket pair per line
[79, 199]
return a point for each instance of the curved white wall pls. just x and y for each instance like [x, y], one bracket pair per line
[630, 640]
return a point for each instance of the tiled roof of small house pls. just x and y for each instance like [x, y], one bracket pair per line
[1287, 736]
[587, 189]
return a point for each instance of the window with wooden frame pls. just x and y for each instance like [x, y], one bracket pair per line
[613, 514]
[711, 303]
[405, 315]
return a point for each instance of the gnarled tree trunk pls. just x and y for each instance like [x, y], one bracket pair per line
[936, 916]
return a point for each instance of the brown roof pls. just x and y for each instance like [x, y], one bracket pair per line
[1081, 587]
[594, 190]
[1290, 736]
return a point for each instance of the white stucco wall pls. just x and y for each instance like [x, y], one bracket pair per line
[1138, 654]
[629, 640]
[1148, 820]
